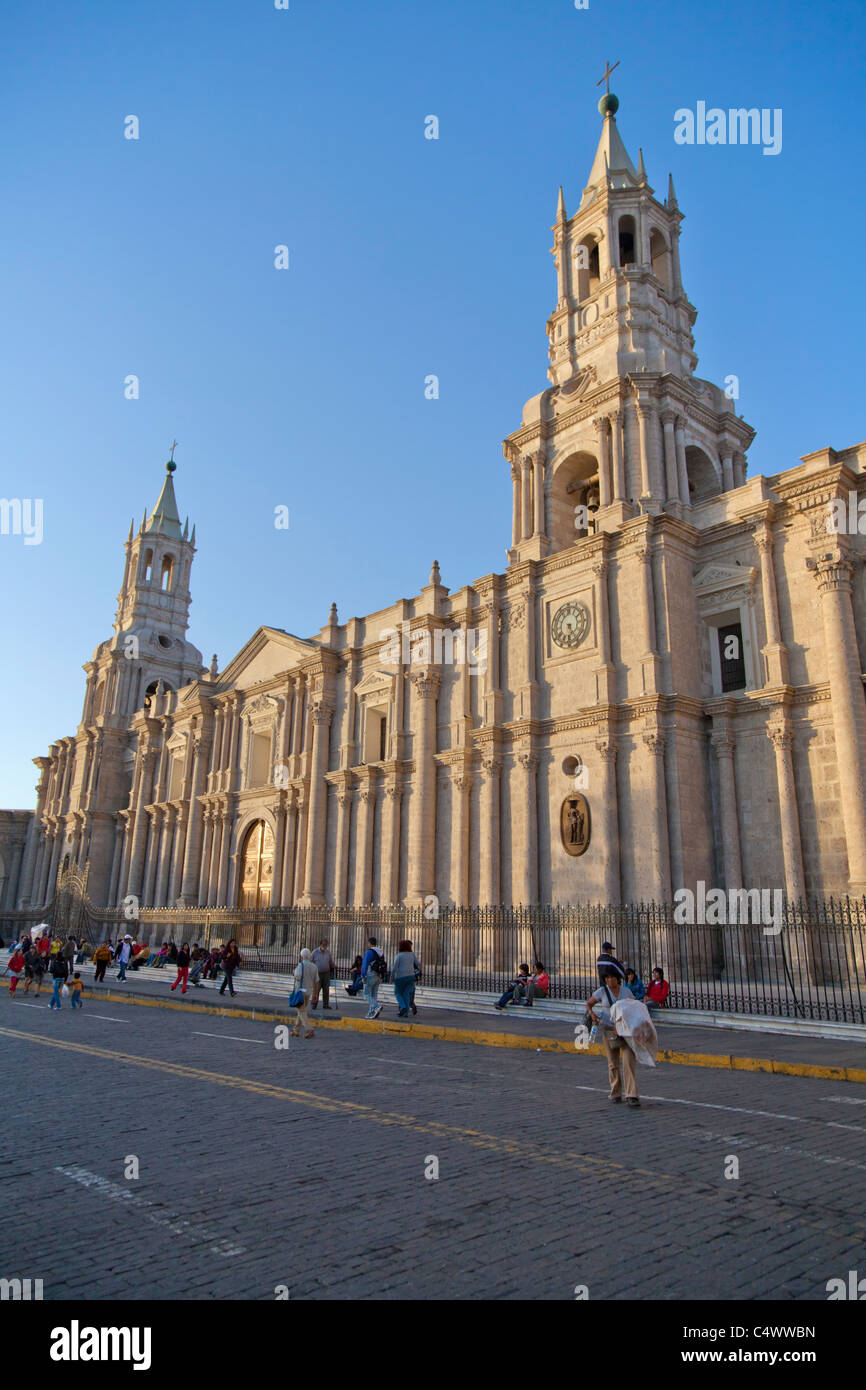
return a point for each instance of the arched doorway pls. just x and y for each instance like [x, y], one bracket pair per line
[256, 867]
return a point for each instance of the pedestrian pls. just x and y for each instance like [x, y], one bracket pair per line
[124, 951]
[15, 968]
[405, 971]
[140, 954]
[356, 982]
[374, 971]
[77, 991]
[34, 969]
[305, 976]
[59, 974]
[197, 961]
[635, 983]
[515, 989]
[68, 952]
[231, 959]
[212, 964]
[44, 946]
[620, 1058]
[657, 990]
[538, 986]
[182, 968]
[606, 959]
[101, 961]
[172, 953]
[325, 966]
[159, 958]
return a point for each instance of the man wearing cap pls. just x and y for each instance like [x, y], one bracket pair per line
[123, 955]
[608, 961]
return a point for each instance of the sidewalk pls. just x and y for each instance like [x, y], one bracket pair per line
[680, 1042]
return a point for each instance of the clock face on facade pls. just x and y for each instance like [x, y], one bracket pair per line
[570, 624]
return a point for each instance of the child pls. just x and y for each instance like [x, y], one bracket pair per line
[77, 990]
[15, 967]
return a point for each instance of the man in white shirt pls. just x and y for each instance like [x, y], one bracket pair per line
[324, 963]
[620, 1058]
[305, 978]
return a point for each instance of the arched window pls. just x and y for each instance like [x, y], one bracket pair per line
[586, 264]
[573, 500]
[147, 567]
[165, 575]
[661, 260]
[626, 240]
[256, 867]
[702, 476]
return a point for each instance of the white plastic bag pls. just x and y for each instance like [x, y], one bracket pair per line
[64, 991]
[632, 1021]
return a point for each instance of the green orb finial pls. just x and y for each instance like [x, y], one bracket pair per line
[171, 466]
[609, 104]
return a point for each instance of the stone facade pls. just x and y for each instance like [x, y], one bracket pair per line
[680, 645]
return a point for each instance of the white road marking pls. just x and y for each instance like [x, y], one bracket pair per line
[737, 1110]
[105, 1017]
[749, 1146]
[844, 1100]
[262, 1042]
[176, 1224]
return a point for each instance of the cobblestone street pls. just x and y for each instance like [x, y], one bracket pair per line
[261, 1167]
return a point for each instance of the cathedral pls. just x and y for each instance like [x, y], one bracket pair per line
[663, 688]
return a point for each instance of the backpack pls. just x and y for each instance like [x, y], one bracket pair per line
[380, 966]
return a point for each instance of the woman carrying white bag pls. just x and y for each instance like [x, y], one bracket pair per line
[601, 1007]
[632, 1022]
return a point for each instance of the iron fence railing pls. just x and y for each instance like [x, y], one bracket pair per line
[810, 964]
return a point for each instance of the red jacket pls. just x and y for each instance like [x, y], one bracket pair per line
[658, 991]
[16, 963]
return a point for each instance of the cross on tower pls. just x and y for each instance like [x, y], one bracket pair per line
[605, 77]
[174, 444]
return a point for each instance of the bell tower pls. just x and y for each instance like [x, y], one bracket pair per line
[149, 643]
[626, 427]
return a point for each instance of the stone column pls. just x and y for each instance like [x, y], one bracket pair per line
[192, 859]
[847, 703]
[646, 598]
[529, 894]
[56, 847]
[390, 844]
[538, 485]
[364, 846]
[301, 861]
[344, 822]
[180, 826]
[671, 477]
[234, 739]
[279, 850]
[660, 879]
[314, 884]
[604, 488]
[682, 470]
[115, 863]
[739, 469]
[141, 796]
[605, 683]
[207, 849]
[148, 892]
[727, 468]
[288, 892]
[215, 748]
[526, 502]
[422, 806]
[461, 785]
[618, 457]
[31, 841]
[161, 898]
[789, 814]
[489, 887]
[729, 820]
[646, 421]
[225, 846]
[775, 653]
[608, 803]
[516, 518]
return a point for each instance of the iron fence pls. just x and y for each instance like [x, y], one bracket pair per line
[811, 964]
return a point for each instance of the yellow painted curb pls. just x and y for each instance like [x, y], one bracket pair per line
[480, 1037]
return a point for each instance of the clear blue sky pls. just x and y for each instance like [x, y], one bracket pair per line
[408, 257]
